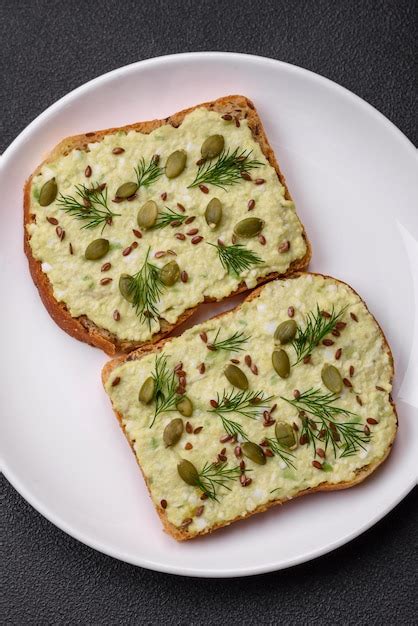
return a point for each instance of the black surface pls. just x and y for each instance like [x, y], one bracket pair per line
[48, 48]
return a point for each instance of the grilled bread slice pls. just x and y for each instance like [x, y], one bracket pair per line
[117, 223]
[288, 394]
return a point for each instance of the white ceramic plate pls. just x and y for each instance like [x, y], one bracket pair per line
[354, 178]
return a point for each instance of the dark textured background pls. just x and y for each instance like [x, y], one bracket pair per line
[48, 48]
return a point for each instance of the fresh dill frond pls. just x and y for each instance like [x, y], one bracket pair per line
[145, 290]
[169, 217]
[316, 328]
[89, 205]
[165, 393]
[345, 437]
[281, 452]
[233, 343]
[246, 403]
[226, 170]
[236, 258]
[147, 174]
[215, 475]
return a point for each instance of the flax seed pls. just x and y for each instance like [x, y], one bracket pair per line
[198, 430]
[202, 368]
[196, 240]
[192, 231]
[189, 428]
[338, 353]
[203, 189]
[188, 446]
[354, 317]
[259, 181]
[106, 281]
[127, 251]
[118, 150]
[284, 247]
[351, 371]
[105, 267]
[52, 220]
[251, 204]
[291, 311]
[116, 381]
[180, 236]
[317, 464]
[137, 233]
[184, 277]
[237, 451]
[347, 383]
[246, 176]
[328, 342]
[87, 171]
[116, 315]
[372, 421]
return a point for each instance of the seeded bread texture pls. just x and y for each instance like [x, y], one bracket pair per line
[82, 328]
[182, 534]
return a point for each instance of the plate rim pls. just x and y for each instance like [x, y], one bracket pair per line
[57, 520]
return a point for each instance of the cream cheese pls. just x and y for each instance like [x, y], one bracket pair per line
[76, 281]
[362, 347]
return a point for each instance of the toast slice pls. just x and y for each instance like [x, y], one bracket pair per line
[288, 394]
[72, 201]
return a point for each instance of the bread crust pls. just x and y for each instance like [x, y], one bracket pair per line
[361, 474]
[82, 328]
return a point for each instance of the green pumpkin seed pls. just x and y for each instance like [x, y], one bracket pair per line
[175, 164]
[185, 406]
[254, 452]
[281, 363]
[147, 214]
[236, 377]
[146, 393]
[286, 331]
[212, 146]
[125, 285]
[213, 213]
[250, 227]
[97, 249]
[126, 190]
[188, 472]
[170, 274]
[285, 435]
[172, 432]
[48, 192]
[331, 378]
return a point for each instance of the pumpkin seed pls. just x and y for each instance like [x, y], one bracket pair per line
[236, 377]
[146, 393]
[125, 285]
[48, 192]
[285, 435]
[170, 274]
[212, 146]
[172, 432]
[126, 190]
[331, 378]
[175, 164]
[213, 213]
[147, 214]
[188, 472]
[97, 249]
[286, 331]
[185, 406]
[281, 363]
[250, 227]
[254, 452]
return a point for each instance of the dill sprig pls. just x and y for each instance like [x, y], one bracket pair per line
[89, 206]
[214, 475]
[316, 328]
[230, 344]
[246, 403]
[346, 437]
[145, 290]
[148, 174]
[165, 382]
[285, 455]
[236, 258]
[169, 217]
[226, 170]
